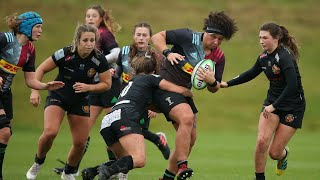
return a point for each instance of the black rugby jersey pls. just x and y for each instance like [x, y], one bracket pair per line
[280, 67]
[72, 69]
[189, 44]
[13, 57]
[135, 97]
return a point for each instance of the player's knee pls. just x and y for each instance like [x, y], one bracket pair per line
[274, 154]
[81, 145]
[261, 145]
[139, 160]
[49, 134]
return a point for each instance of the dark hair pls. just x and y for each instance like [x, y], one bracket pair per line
[108, 20]
[133, 48]
[285, 39]
[145, 63]
[220, 22]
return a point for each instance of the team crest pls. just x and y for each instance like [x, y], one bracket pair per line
[289, 118]
[275, 69]
[91, 72]
[86, 109]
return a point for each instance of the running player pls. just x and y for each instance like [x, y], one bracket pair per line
[103, 101]
[188, 49]
[17, 52]
[77, 65]
[141, 34]
[284, 107]
[121, 128]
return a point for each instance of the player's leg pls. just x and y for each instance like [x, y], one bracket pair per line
[79, 131]
[53, 116]
[266, 129]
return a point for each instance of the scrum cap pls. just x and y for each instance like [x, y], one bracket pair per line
[28, 20]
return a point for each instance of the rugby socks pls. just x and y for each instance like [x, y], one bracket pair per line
[168, 175]
[124, 165]
[260, 176]
[151, 136]
[2, 152]
[39, 160]
[111, 156]
[70, 169]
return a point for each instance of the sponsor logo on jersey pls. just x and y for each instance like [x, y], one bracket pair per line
[9, 68]
[125, 77]
[125, 128]
[289, 118]
[188, 68]
[263, 55]
[91, 72]
[275, 69]
[59, 54]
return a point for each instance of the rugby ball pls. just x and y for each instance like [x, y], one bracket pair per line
[205, 63]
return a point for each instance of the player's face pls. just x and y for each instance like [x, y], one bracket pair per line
[211, 41]
[36, 32]
[267, 42]
[87, 43]
[141, 37]
[93, 18]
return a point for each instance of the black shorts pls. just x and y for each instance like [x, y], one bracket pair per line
[116, 124]
[145, 121]
[6, 103]
[292, 118]
[77, 106]
[165, 101]
[108, 98]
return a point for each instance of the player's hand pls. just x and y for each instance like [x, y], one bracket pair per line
[223, 84]
[206, 75]
[1, 81]
[152, 114]
[267, 110]
[112, 71]
[174, 58]
[81, 87]
[35, 98]
[53, 85]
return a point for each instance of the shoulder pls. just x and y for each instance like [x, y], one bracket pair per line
[62, 53]
[6, 38]
[263, 55]
[104, 32]
[125, 50]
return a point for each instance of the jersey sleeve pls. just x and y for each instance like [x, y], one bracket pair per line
[107, 42]
[103, 66]
[250, 74]
[59, 56]
[177, 36]
[155, 79]
[29, 66]
[3, 41]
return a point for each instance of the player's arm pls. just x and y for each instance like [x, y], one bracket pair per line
[33, 79]
[159, 42]
[104, 84]
[168, 86]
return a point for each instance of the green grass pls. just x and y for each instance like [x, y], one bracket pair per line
[227, 119]
[221, 155]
